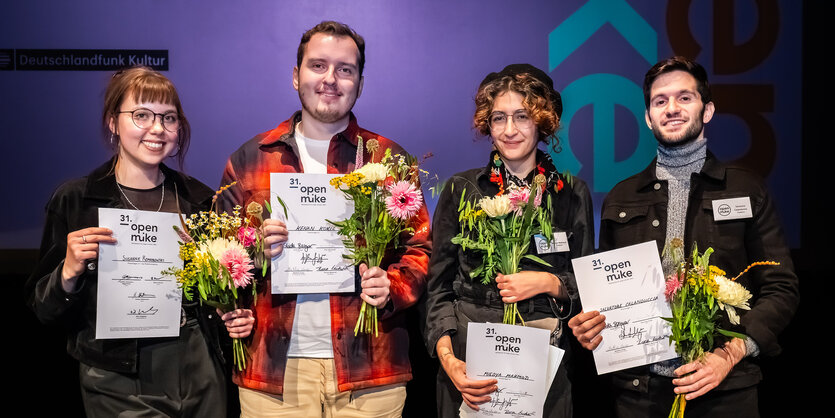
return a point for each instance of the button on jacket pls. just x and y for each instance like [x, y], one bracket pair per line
[635, 211]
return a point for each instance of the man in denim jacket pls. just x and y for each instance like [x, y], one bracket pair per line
[674, 197]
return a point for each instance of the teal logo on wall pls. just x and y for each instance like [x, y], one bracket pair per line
[603, 92]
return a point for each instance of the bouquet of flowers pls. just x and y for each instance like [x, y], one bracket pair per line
[386, 195]
[220, 252]
[500, 228]
[697, 291]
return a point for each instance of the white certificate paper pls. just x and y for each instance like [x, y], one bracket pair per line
[312, 259]
[627, 285]
[513, 355]
[135, 300]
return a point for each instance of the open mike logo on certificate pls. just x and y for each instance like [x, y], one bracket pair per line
[135, 299]
[627, 286]
[523, 362]
[312, 260]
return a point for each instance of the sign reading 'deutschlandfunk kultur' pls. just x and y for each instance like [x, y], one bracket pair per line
[87, 59]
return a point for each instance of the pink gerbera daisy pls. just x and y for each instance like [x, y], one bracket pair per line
[238, 263]
[405, 200]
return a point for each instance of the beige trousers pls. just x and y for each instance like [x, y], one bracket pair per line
[310, 391]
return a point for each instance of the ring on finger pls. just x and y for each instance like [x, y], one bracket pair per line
[84, 238]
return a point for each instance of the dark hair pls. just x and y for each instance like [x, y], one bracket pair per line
[678, 63]
[336, 29]
[537, 98]
[145, 85]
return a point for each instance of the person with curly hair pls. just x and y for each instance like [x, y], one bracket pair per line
[518, 109]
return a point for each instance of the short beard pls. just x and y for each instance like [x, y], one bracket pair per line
[328, 116]
[690, 135]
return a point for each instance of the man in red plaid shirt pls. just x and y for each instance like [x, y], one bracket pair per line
[306, 360]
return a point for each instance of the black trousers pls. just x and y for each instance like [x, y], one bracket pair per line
[657, 400]
[177, 377]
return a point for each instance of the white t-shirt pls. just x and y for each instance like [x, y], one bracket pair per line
[311, 336]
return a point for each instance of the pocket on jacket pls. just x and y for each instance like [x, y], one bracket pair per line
[628, 224]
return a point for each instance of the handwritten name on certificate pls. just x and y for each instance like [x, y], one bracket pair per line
[312, 259]
[513, 355]
[627, 285]
[135, 300]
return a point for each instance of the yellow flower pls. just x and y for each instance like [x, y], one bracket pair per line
[495, 206]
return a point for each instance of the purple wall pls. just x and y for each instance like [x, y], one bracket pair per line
[232, 63]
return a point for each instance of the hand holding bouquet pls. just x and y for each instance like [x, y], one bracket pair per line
[220, 252]
[500, 228]
[386, 196]
[697, 291]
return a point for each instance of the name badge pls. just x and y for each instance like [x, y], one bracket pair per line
[734, 208]
[559, 244]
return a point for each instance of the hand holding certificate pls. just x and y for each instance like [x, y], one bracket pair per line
[627, 285]
[513, 356]
[312, 260]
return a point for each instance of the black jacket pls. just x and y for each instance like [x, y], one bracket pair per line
[635, 211]
[74, 206]
[450, 266]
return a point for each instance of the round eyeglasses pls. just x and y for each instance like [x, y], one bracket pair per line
[521, 119]
[144, 119]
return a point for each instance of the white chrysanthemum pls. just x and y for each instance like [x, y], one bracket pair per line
[732, 295]
[495, 206]
[373, 172]
[216, 247]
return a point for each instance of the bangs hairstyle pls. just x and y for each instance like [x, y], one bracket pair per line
[145, 86]
[536, 97]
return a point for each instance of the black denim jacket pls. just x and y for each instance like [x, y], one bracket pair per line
[74, 206]
[449, 268]
[635, 211]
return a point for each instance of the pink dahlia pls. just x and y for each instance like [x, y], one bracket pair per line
[247, 235]
[672, 286]
[405, 200]
[518, 199]
[239, 265]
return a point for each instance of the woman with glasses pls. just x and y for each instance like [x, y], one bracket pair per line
[519, 109]
[178, 376]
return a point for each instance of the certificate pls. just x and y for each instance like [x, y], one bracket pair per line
[135, 300]
[513, 355]
[312, 260]
[627, 285]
